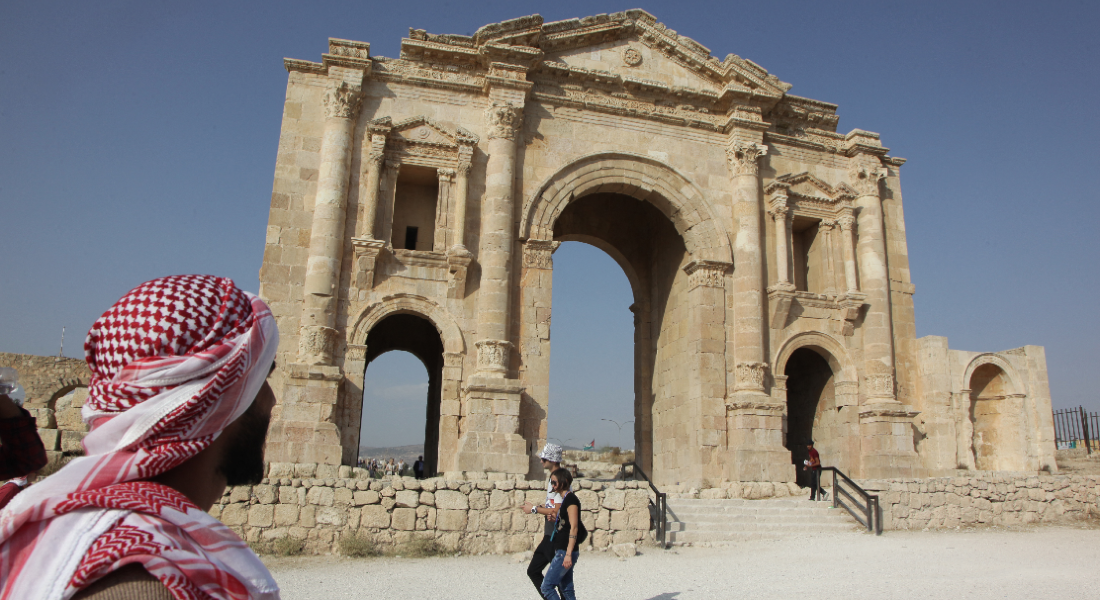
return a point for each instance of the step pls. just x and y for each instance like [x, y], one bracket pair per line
[692, 521]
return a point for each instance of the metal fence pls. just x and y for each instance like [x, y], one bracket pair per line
[1075, 428]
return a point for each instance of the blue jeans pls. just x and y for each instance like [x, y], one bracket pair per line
[559, 577]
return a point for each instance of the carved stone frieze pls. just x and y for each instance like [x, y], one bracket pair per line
[504, 118]
[492, 356]
[708, 273]
[750, 375]
[341, 101]
[538, 254]
[742, 157]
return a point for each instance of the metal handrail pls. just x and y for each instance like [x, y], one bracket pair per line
[869, 511]
[661, 503]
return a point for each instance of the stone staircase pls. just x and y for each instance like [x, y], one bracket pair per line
[725, 521]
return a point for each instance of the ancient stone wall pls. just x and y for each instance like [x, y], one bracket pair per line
[476, 516]
[989, 499]
[46, 378]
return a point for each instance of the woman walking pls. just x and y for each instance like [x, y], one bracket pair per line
[569, 533]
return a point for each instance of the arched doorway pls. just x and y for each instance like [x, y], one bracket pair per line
[811, 409]
[416, 335]
[997, 416]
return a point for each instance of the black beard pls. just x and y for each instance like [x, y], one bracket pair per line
[243, 461]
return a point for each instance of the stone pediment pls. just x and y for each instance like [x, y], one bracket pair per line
[424, 131]
[806, 186]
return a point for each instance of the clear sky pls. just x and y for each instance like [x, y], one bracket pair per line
[138, 139]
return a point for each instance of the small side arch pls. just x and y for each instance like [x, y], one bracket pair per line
[1018, 386]
[641, 177]
[843, 369]
[444, 323]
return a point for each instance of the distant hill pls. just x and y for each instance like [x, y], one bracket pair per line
[409, 453]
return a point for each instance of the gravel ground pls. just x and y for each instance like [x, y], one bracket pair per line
[1043, 562]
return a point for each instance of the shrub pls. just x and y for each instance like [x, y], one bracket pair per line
[284, 546]
[357, 546]
[421, 548]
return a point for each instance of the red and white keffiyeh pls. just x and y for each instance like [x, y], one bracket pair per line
[173, 363]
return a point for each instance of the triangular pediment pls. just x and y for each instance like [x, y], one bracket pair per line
[805, 185]
[422, 130]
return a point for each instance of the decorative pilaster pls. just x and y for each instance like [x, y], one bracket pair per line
[387, 197]
[372, 172]
[781, 215]
[847, 223]
[462, 186]
[878, 341]
[326, 243]
[749, 275]
[442, 208]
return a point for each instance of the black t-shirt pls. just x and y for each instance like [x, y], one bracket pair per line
[560, 539]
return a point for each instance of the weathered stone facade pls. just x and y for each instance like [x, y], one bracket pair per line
[418, 201]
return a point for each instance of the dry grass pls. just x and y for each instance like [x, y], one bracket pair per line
[284, 546]
[358, 546]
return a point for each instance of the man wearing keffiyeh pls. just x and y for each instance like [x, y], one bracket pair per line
[178, 407]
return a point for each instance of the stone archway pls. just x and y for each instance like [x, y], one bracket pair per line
[657, 225]
[997, 415]
[821, 391]
[443, 363]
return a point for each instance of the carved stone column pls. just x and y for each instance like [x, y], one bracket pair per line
[373, 158]
[462, 188]
[326, 242]
[782, 218]
[443, 209]
[458, 257]
[878, 335]
[387, 196]
[848, 241]
[748, 274]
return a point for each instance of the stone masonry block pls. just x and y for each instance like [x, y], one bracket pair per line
[450, 520]
[407, 499]
[261, 515]
[404, 519]
[451, 500]
[376, 516]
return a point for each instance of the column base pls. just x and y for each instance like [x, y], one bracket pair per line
[754, 429]
[302, 427]
[886, 442]
[490, 439]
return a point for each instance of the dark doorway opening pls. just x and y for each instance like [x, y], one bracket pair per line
[809, 385]
[417, 336]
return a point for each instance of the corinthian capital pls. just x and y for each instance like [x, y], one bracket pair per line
[504, 118]
[742, 157]
[341, 101]
[865, 177]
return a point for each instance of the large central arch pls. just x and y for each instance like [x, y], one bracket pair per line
[658, 225]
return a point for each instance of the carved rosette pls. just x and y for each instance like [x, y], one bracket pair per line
[492, 356]
[316, 343]
[864, 178]
[503, 118]
[707, 273]
[742, 157]
[341, 101]
[538, 254]
[879, 386]
[750, 375]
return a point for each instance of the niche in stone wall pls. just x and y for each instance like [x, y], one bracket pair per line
[808, 253]
[414, 208]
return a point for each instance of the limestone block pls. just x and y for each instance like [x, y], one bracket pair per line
[51, 439]
[331, 515]
[638, 519]
[473, 520]
[614, 500]
[342, 496]
[427, 498]
[478, 499]
[407, 499]
[241, 493]
[589, 500]
[388, 491]
[376, 516]
[286, 515]
[307, 517]
[261, 515]
[367, 497]
[44, 418]
[620, 520]
[603, 519]
[491, 521]
[70, 419]
[321, 496]
[70, 441]
[264, 494]
[625, 550]
[234, 515]
[404, 519]
[451, 500]
[289, 495]
[388, 503]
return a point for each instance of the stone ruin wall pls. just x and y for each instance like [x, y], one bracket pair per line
[319, 504]
[56, 388]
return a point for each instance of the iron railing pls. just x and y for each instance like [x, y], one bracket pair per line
[1074, 428]
[660, 504]
[865, 508]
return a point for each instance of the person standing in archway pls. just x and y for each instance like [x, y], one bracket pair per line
[813, 465]
[418, 467]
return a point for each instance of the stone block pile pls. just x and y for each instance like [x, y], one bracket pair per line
[320, 504]
[991, 499]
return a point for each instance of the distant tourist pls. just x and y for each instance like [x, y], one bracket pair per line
[401, 467]
[178, 405]
[544, 553]
[418, 467]
[813, 465]
[565, 540]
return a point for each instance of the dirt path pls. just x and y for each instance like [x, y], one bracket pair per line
[1047, 562]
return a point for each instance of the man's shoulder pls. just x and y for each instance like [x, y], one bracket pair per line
[131, 582]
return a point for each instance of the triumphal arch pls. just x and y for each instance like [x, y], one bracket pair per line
[418, 202]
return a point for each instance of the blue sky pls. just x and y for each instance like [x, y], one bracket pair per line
[138, 139]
